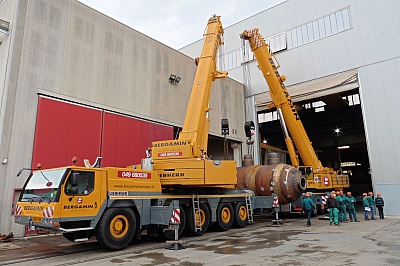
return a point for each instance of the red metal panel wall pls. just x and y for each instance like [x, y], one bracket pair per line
[63, 131]
[159, 132]
[126, 139]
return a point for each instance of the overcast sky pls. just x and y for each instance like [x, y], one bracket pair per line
[177, 23]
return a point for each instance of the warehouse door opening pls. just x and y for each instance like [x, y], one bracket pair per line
[333, 120]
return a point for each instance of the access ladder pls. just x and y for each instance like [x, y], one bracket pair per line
[196, 212]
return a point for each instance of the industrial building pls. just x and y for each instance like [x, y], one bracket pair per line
[75, 82]
[341, 61]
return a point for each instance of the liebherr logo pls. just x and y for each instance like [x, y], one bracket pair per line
[171, 175]
[168, 144]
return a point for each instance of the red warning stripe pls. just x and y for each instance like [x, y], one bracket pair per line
[276, 202]
[48, 212]
[324, 199]
[175, 217]
[18, 210]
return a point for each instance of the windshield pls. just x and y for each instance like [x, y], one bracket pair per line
[43, 185]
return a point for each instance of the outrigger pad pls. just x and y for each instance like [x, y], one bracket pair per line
[175, 246]
[277, 222]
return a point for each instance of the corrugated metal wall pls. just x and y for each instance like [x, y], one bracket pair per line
[126, 139]
[65, 130]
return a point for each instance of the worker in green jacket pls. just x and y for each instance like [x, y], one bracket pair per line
[342, 208]
[350, 208]
[339, 203]
[308, 206]
[371, 204]
[367, 209]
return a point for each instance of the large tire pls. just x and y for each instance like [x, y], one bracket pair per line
[116, 228]
[224, 216]
[170, 234]
[204, 220]
[240, 215]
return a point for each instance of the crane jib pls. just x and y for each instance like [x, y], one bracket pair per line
[289, 100]
[290, 103]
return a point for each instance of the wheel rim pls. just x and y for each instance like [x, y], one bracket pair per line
[119, 226]
[202, 218]
[242, 213]
[226, 215]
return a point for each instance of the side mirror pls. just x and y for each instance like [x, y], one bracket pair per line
[74, 179]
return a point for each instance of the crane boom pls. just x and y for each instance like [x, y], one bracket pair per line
[195, 127]
[194, 134]
[281, 99]
[185, 161]
[322, 177]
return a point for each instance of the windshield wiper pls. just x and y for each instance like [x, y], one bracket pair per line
[46, 197]
[32, 199]
[40, 199]
[48, 184]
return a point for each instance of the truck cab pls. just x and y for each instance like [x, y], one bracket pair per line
[54, 198]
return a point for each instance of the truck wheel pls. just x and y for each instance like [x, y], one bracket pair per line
[204, 221]
[170, 234]
[240, 217]
[224, 216]
[116, 228]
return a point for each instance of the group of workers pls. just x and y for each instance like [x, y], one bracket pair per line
[369, 205]
[340, 205]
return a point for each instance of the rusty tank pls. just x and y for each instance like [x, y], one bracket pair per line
[282, 179]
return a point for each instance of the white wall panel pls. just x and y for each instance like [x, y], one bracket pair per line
[390, 194]
[318, 60]
[380, 18]
[379, 96]
[393, 23]
[371, 45]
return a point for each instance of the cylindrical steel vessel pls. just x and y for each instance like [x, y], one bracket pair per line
[282, 179]
[247, 160]
[272, 158]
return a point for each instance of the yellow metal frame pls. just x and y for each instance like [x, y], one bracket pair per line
[284, 104]
[185, 161]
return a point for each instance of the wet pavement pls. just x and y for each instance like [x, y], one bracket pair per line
[365, 243]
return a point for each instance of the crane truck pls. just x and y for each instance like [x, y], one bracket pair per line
[319, 178]
[177, 184]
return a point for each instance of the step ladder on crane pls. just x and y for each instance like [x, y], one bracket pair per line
[248, 206]
[196, 212]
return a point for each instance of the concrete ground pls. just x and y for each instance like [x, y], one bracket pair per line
[364, 243]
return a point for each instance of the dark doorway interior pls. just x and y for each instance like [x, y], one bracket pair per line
[331, 121]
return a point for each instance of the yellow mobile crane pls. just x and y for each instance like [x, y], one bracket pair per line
[184, 161]
[176, 184]
[320, 178]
